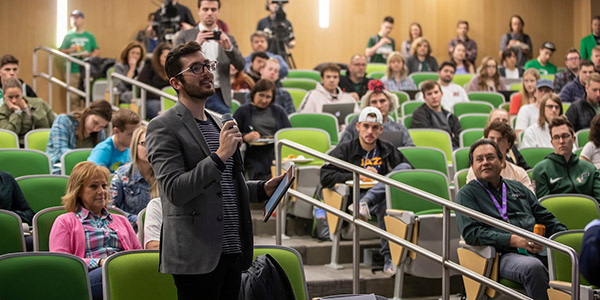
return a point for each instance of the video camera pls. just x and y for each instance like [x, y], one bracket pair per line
[166, 22]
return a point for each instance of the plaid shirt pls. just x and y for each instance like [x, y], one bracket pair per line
[561, 79]
[100, 240]
[62, 138]
[393, 86]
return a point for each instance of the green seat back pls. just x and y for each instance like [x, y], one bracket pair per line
[316, 139]
[574, 211]
[470, 121]
[534, 155]
[516, 87]
[410, 106]
[566, 106]
[407, 121]
[324, 121]
[426, 158]
[351, 117]
[419, 77]
[299, 83]
[166, 103]
[472, 107]
[291, 262]
[73, 157]
[402, 97]
[433, 138]
[134, 275]
[496, 99]
[461, 178]
[376, 75]
[234, 106]
[432, 182]
[470, 136]
[38, 275]
[461, 159]
[21, 162]
[547, 76]
[53, 187]
[37, 139]
[376, 67]
[42, 224]
[583, 136]
[561, 263]
[462, 79]
[505, 106]
[12, 233]
[304, 74]
[297, 96]
[8, 139]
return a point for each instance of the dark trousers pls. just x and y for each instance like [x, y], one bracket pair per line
[222, 283]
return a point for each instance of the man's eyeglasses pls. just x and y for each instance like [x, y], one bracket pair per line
[489, 157]
[198, 68]
[564, 136]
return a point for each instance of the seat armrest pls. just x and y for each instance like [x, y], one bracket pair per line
[408, 217]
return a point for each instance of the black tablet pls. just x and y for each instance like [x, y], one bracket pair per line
[281, 190]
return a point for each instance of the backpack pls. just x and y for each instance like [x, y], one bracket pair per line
[265, 279]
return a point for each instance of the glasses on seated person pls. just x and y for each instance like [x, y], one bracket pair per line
[564, 136]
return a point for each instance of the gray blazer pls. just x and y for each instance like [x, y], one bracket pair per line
[224, 58]
[190, 187]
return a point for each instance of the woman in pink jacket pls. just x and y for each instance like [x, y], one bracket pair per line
[88, 230]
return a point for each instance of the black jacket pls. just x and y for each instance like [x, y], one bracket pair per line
[424, 117]
[348, 86]
[12, 199]
[580, 113]
[352, 152]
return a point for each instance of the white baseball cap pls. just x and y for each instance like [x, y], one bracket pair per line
[364, 115]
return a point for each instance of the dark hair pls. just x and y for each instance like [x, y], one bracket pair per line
[200, 2]
[124, 117]
[463, 22]
[572, 50]
[560, 121]
[505, 130]
[595, 131]
[448, 64]
[8, 59]
[542, 116]
[420, 30]
[150, 16]
[428, 85]
[173, 62]
[156, 66]
[482, 142]
[99, 108]
[585, 62]
[508, 53]
[124, 57]
[329, 67]
[389, 19]
[510, 22]
[261, 86]
[260, 54]
[466, 63]
[596, 18]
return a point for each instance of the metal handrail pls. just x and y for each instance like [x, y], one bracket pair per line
[54, 80]
[447, 264]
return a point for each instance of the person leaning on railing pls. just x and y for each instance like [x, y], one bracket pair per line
[511, 201]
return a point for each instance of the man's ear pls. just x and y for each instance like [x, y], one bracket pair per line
[175, 83]
[357, 125]
[115, 130]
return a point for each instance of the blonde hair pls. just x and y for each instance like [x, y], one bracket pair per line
[525, 96]
[392, 98]
[416, 43]
[396, 56]
[81, 174]
[135, 140]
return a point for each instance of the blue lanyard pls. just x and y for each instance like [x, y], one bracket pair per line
[501, 209]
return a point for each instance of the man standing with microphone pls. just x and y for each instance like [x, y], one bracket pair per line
[206, 238]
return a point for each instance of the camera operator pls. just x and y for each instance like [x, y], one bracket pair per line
[278, 28]
[172, 17]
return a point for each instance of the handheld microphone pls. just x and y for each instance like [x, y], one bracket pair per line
[226, 118]
[237, 156]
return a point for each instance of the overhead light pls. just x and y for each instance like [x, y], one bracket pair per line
[324, 13]
[61, 21]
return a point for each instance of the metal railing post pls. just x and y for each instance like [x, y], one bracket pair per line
[356, 234]
[50, 72]
[86, 84]
[68, 82]
[445, 253]
[143, 96]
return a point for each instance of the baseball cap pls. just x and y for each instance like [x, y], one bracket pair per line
[364, 115]
[544, 83]
[77, 12]
[549, 45]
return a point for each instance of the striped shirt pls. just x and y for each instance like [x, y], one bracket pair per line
[100, 240]
[231, 223]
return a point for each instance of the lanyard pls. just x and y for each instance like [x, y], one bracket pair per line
[501, 209]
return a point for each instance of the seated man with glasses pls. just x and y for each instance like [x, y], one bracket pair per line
[562, 172]
[509, 201]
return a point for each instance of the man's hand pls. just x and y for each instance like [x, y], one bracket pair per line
[225, 42]
[251, 136]
[203, 36]
[229, 140]
[519, 242]
[355, 96]
[363, 178]
[383, 41]
[272, 184]
[186, 26]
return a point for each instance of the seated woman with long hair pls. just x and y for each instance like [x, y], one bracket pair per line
[88, 230]
[488, 78]
[240, 81]
[396, 74]
[527, 95]
[134, 184]
[153, 73]
[129, 64]
[421, 59]
[591, 150]
[538, 135]
[78, 130]
[459, 57]
[260, 119]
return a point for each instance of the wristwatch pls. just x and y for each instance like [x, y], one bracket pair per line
[18, 112]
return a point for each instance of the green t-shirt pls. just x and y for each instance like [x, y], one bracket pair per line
[85, 40]
[548, 69]
[382, 52]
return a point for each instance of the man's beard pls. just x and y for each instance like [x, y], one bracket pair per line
[197, 92]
